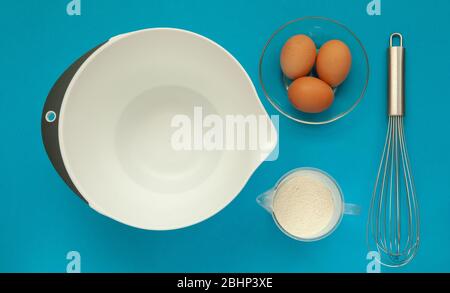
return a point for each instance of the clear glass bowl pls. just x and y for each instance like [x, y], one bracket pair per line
[320, 29]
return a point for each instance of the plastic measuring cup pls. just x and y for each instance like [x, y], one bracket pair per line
[341, 208]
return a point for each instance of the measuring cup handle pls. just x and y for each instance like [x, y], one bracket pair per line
[352, 209]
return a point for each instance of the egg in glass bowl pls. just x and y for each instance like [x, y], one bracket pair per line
[314, 70]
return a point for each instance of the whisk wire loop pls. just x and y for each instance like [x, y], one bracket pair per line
[393, 223]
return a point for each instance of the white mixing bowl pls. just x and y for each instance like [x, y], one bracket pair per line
[114, 128]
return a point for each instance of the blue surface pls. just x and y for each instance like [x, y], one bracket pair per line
[41, 219]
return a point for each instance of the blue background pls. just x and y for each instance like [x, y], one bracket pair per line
[41, 219]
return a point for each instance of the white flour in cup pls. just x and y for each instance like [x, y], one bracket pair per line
[307, 204]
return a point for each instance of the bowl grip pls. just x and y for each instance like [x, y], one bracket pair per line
[49, 130]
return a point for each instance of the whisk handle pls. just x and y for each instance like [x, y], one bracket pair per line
[396, 97]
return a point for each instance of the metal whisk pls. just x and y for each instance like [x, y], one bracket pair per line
[393, 224]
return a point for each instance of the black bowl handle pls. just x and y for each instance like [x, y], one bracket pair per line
[50, 120]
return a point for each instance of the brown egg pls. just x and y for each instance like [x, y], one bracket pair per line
[298, 56]
[310, 94]
[334, 62]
